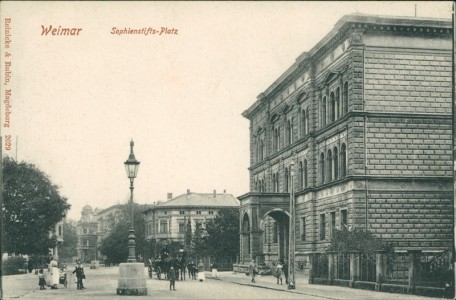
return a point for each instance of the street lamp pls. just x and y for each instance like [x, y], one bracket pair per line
[292, 235]
[131, 166]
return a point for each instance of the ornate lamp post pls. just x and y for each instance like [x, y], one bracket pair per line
[131, 166]
[292, 234]
[131, 274]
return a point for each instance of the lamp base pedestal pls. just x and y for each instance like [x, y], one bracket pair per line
[132, 280]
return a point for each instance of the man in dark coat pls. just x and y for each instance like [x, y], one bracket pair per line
[172, 278]
[79, 270]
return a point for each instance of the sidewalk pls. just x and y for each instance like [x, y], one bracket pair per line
[304, 288]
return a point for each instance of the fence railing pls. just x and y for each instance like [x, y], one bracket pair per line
[397, 271]
[368, 268]
[432, 268]
[342, 266]
[411, 272]
[321, 266]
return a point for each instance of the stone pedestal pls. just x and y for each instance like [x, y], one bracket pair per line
[131, 279]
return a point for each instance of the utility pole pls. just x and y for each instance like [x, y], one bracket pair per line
[292, 234]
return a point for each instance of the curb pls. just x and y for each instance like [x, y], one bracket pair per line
[275, 289]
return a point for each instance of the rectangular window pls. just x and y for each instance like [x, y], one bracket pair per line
[163, 226]
[333, 222]
[197, 226]
[322, 227]
[198, 212]
[181, 227]
[303, 228]
[60, 230]
[274, 233]
[211, 212]
[86, 243]
[165, 212]
[343, 219]
[182, 212]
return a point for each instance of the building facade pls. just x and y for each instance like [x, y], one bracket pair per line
[92, 228]
[169, 221]
[360, 127]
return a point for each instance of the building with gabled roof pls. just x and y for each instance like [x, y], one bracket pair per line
[167, 221]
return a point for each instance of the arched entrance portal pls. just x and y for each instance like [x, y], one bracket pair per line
[275, 224]
[245, 242]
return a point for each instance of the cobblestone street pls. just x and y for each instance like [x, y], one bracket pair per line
[102, 283]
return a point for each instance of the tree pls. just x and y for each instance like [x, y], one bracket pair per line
[364, 242]
[198, 247]
[70, 241]
[32, 206]
[223, 234]
[115, 245]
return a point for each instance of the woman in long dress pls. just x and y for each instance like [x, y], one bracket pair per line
[54, 272]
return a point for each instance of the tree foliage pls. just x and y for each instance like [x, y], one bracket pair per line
[220, 237]
[223, 233]
[364, 242]
[70, 241]
[32, 206]
[115, 245]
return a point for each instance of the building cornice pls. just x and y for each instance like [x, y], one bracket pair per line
[347, 24]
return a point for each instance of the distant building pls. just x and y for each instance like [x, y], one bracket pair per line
[58, 233]
[365, 118]
[168, 221]
[92, 228]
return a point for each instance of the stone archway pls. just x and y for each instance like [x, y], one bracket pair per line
[277, 223]
[245, 238]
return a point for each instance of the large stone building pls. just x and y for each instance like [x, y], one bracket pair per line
[168, 221]
[92, 228]
[365, 117]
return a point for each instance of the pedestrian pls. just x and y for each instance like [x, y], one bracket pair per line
[54, 272]
[253, 270]
[172, 278]
[80, 276]
[201, 275]
[41, 280]
[279, 272]
[214, 270]
[285, 270]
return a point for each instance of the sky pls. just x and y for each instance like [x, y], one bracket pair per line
[77, 101]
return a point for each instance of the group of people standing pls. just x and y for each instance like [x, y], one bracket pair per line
[54, 275]
[201, 277]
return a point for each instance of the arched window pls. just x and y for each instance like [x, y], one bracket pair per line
[261, 150]
[273, 183]
[276, 140]
[303, 123]
[322, 167]
[329, 159]
[289, 134]
[345, 98]
[336, 164]
[305, 174]
[338, 109]
[332, 108]
[301, 176]
[307, 121]
[343, 160]
[285, 185]
[323, 112]
[277, 182]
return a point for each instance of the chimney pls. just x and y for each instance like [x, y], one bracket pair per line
[169, 196]
[188, 191]
[215, 194]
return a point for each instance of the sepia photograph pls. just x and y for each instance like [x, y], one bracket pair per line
[227, 150]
